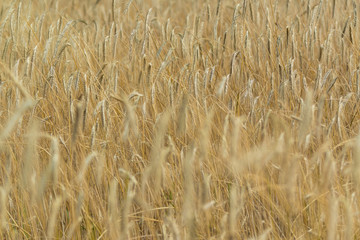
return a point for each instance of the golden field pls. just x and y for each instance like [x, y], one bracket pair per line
[165, 119]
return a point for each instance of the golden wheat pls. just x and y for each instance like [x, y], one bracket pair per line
[214, 119]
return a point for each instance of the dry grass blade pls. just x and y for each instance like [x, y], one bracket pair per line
[189, 194]
[332, 219]
[4, 194]
[181, 116]
[79, 115]
[5, 132]
[53, 217]
[306, 118]
[85, 165]
[23, 91]
[153, 174]
[130, 118]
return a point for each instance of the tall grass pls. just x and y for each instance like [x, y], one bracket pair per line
[214, 119]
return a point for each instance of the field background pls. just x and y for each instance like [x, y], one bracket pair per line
[167, 119]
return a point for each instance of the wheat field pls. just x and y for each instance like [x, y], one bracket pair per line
[165, 119]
